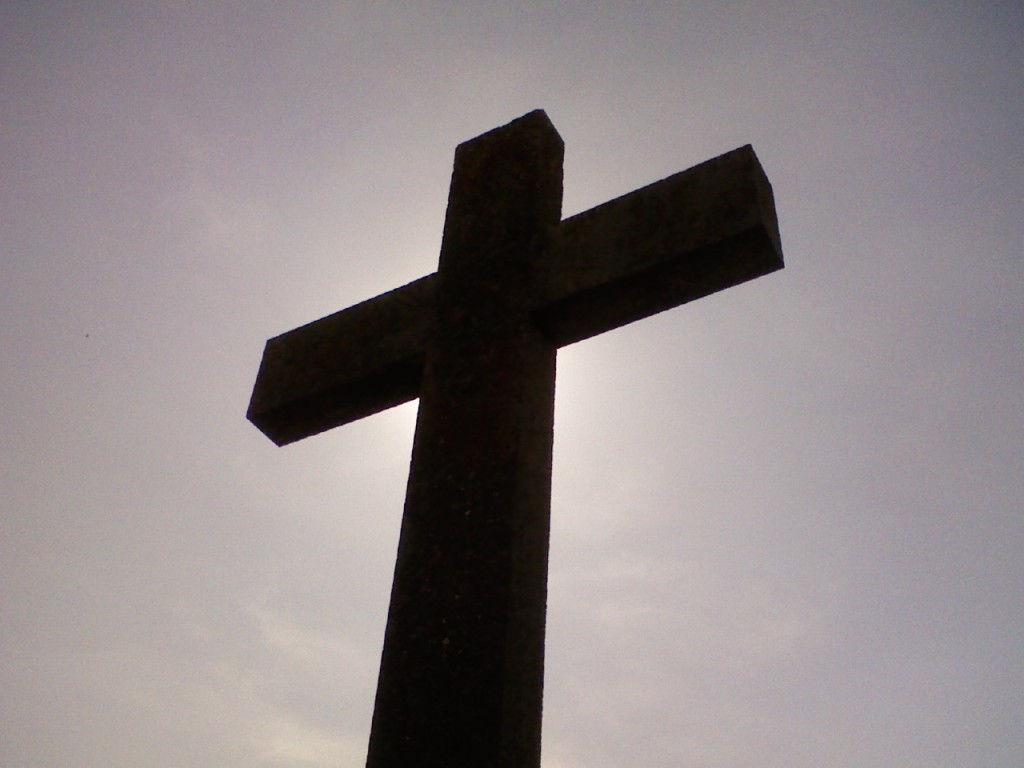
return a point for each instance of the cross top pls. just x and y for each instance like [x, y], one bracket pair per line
[461, 673]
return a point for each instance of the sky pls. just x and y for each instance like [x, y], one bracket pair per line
[787, 521]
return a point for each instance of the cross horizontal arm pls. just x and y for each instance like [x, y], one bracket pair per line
[696, 232]
[345, 366]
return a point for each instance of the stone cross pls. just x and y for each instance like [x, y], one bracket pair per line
[462, 667]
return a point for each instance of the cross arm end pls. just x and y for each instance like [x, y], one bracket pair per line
[697, 232]
[345, 366]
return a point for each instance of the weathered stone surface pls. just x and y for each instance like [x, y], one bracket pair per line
[461, 672]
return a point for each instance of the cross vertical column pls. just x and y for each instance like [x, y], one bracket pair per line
[461, 674]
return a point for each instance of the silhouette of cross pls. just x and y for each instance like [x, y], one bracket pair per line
[461, 673]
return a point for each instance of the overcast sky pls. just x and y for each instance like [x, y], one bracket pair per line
[788, 519]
